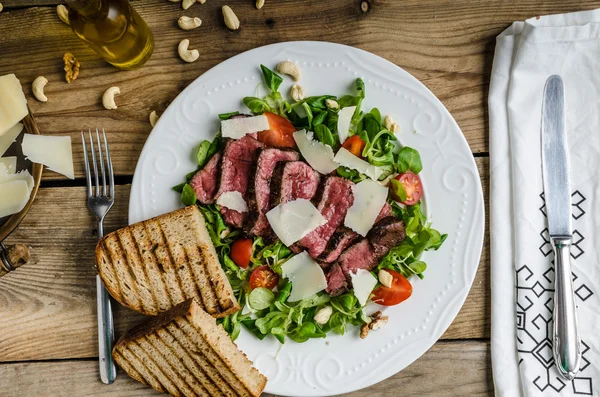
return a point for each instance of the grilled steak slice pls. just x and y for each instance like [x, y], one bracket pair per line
[341, 239]
[386, 234]
[293, 180]
[335, 200]
[336, 281]
[206, 181]
[259, 191]
[360, 255]
[344, 237]
[238, 158]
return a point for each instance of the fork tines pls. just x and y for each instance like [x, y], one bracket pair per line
[103, 157]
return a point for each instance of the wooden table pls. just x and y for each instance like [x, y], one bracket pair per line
[47, 308]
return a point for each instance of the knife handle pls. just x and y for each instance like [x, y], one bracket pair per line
[567, 344]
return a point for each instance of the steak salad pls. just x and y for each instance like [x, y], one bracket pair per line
[314, 209]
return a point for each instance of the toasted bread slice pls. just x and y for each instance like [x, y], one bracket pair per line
[154, 265]
[185, 353]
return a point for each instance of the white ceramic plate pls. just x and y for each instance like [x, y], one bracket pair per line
[453, 195]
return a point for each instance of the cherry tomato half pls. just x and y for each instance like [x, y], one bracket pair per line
[241, 251]
[400, 291]
[412, 186]
[281, 133]
[263, 277]
[354, 145]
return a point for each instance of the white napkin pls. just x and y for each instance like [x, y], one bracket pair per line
[527, 53]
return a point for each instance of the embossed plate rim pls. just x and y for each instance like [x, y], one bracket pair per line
[454, 198]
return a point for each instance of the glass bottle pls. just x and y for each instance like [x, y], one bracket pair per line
[114, 30]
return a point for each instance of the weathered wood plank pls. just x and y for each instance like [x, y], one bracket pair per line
[448, 45]
[447, 369]
[48, 308]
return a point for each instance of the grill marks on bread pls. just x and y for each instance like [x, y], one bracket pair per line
[153, 265]
[185, 353]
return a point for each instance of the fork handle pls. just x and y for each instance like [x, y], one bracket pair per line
[106, 337]
[108, 371]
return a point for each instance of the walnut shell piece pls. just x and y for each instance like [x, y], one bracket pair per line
[72, 66]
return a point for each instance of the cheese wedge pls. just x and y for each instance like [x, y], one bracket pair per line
[13, 105]
[295, 219]
[19, 176]
[363, 283]
[239, 127]
[344, 121]
[347, 159]
[14, 195]
[9, 137]
[369, 198]
[233, 201]
[317, 154]
[53, 151]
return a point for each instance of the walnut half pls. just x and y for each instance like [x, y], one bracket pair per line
[71, 67]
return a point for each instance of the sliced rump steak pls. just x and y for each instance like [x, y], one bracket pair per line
[386, 234]
[238, 159]
[259, 191]
[336, 281]
[336, 198]
[293, 180]
[206, 181]
[343, 237]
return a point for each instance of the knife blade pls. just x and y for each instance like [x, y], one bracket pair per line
[557, 194]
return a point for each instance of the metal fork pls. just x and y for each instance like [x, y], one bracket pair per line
[100, 202]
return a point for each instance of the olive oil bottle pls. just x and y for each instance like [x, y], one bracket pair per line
[114, 30]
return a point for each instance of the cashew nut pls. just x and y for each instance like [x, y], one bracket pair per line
[153, 118]
[1, 7]
[390, 124]
[63, 13]
[331, 104]
[185, 4]
[297, 92]
[185, 54]
[323, 315]
[289, 68]
[187, 23]
[201, 1]
[38, 88]
[260, 4]
[385, 278]
[231, 20]
[380, 322]
[108, 99]
[174, 1]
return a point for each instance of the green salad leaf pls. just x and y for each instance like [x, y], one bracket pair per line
[226, 116]
[409, 160]
[272, 79]
[188, 196]
[257, 105]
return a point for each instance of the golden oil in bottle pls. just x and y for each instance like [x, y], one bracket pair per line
[114, 30]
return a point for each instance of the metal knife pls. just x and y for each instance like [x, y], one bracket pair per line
[557, 192]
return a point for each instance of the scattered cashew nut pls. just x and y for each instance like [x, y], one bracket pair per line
[332, 104]
[1, 7]
[385, 278]
[390, 124]
[153, 118]
[289, 68]
[231, 20]
[187, 23]
[323, 315]
[201, 1]
[108, 99]
[38, 88]
[376, 324]
[260, 4]
[63, 13]
[185, 54]
[297, 92]
[185, 4]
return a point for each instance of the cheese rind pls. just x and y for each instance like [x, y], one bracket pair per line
[14, 195]
[54, 152]
[233, 201]
[239, 127]
[13, 105]
[9, 137]
[363, 283]
[295, 219]
[344, 121]
[369, 198]
[318, 155]
[306, 276]
[347, 159]
[10, 164]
